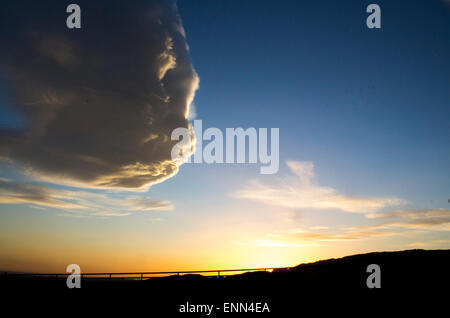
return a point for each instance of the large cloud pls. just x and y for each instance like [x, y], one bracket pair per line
[99, 102]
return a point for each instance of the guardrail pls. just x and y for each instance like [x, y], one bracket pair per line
[142, 275]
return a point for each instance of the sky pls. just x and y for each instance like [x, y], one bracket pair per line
[86, 175]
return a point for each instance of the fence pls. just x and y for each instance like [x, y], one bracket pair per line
[143, 275]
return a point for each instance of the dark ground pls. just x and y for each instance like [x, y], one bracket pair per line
[410, 281]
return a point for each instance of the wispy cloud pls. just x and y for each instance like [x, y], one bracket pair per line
[276, 243]
[109, 213]
[77, 203]
[15, 193]
[435, 214]
[300, 191]
[414, 219]
[432, 243]
[147, 204]
[338, 235]
[396, 223]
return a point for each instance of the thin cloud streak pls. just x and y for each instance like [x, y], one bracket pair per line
[435, 219]
[401, 222]
[77, 203]
[19, 193]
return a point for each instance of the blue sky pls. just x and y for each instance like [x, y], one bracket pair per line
[370, 103]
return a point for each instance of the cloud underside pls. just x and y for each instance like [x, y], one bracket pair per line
[99, 103]
[77, 203]
[301, 192]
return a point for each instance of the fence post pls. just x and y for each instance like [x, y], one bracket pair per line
[142, 274]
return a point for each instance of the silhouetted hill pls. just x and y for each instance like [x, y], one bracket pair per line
[415, 275]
